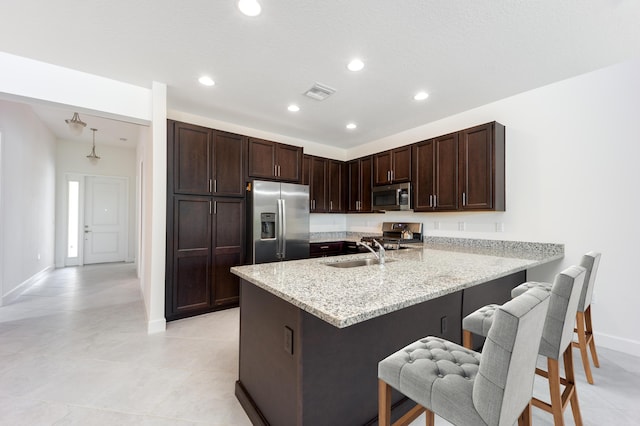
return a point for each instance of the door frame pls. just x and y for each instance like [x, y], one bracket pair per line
[82, 178]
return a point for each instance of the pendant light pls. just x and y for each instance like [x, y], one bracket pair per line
[93, 155]
[75, 124]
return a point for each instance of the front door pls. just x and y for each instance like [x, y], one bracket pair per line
[105, 220]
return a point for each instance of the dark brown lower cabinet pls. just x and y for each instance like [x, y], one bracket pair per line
[205, 237]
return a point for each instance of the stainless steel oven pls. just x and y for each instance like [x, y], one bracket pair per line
[392, 197]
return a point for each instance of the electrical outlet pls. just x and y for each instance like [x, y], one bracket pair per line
[288, 340]
[443, 325]
[436, 225]
[461, 226]
[499, 227]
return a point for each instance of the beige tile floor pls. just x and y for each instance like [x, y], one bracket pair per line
[74, 351]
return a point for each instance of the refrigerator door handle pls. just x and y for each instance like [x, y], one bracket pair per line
[283, 229]
[279, 229]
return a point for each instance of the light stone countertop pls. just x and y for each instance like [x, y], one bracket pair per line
[347, 296]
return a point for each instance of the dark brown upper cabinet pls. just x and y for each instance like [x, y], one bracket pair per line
[325, 178]
[315, 174]
[392, 166]
[435, 174]
[204, 161]
[274, 161]
[460, 171]
[359, 181]
[482, 163]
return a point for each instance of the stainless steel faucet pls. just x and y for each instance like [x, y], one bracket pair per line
[379, 255]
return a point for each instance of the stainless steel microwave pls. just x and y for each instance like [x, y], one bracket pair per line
[392, 197]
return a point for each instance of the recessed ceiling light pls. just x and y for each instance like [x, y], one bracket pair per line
[355, 65]
[421, 96]
[249, 7]
[206, 81]
[351, 126]
[293, 108]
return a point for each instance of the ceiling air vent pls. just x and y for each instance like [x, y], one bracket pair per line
[320, 92]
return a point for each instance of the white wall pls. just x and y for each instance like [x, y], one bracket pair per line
[572, 177]
[71, 157]
[34, 81]
[27, 208]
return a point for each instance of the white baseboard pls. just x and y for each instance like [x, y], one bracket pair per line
[620, 344]
[24, 286]
[157, 326]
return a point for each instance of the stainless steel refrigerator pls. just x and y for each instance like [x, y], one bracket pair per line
[279, 219]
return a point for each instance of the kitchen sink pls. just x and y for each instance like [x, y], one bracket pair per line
[355, 263]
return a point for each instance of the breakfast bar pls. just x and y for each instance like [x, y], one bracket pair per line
[312, 331]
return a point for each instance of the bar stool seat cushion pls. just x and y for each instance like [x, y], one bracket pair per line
[436, 373]
[517, 291]
[479, 322]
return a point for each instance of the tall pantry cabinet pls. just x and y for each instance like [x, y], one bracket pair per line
[205, 217]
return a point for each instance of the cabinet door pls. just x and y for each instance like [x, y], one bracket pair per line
[262, 159]
[365, 184]
[476, 163]
[382, 168]
[189, 286]
[318, 187]
[446, 172]
[423, 175]
[306, 170]
[189, 148]
[228, 248]
[353, 185]
[228, 163]
[336, 186]
[289, 162]
[401, 164]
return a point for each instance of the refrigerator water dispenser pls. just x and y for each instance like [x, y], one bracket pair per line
[268, 226]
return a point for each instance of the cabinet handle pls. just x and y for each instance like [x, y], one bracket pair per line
[215, 207]
[209, 185]
[430, 200]
[435, 201]
[330, 205]
[275, 170]
[388, 175]
[209, 207]
[464, 199]
[392, 175]
[215, 185]
[279, 174]
[324, 247]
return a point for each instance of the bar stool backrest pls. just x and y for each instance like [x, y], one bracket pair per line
[563, 305]
[504, 383]
[590, 262]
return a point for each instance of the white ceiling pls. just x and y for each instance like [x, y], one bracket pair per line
[464, 53]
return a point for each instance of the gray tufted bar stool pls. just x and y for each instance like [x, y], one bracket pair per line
[584, 326]
[556, 339]
[466, 387]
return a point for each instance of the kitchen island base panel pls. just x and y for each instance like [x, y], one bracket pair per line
[331, 377]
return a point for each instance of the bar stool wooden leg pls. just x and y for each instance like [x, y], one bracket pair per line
[554, 390]
[430, 418]
[570, 386]
[467, 339]
[525, 417]
[384, 403]
[582, 345]
[589, 332]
